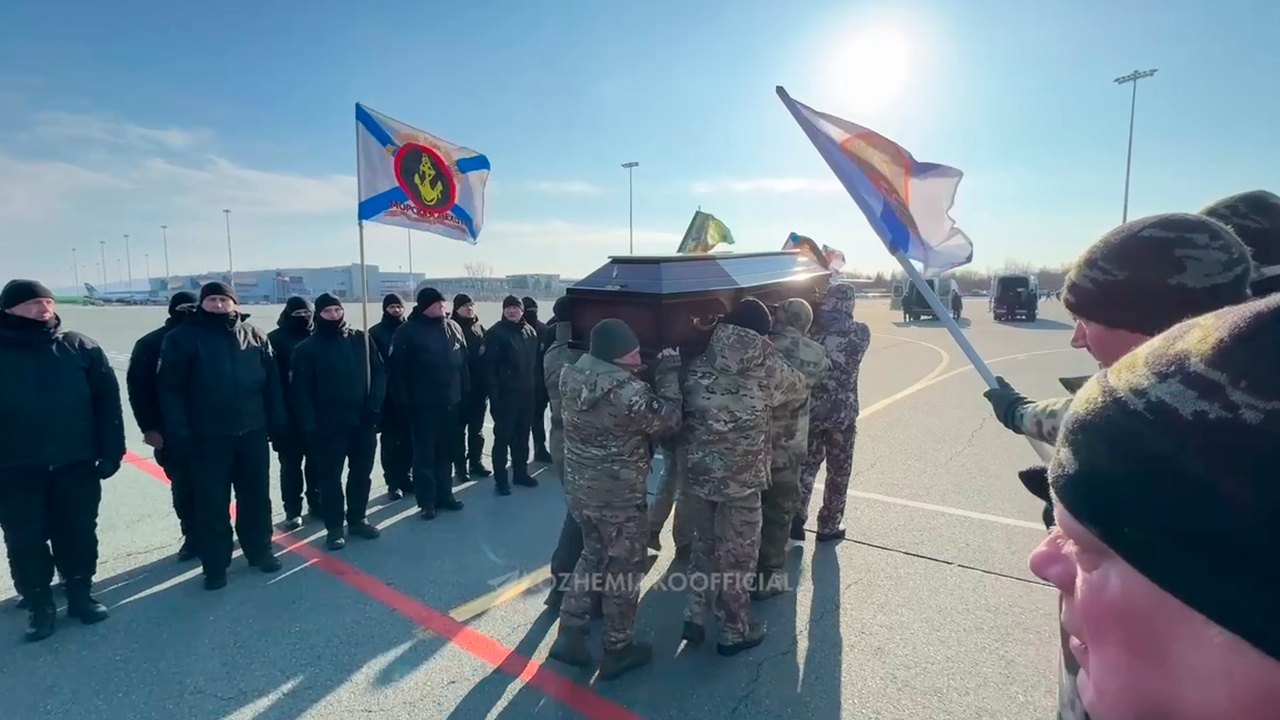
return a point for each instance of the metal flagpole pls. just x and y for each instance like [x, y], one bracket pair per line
[1045, 452]
[409, 235]
[364, 313]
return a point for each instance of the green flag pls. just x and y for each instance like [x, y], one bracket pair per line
[704, 233]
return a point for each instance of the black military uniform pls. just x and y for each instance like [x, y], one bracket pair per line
[541, 401]
[511, 350]
[221, 402]
[428, 375]
[61, 435]
[338, 388]
[397, 443]
[293, 326]
[144, 398]
[470, 460]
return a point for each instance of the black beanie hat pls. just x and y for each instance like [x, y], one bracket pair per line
[391, 299]
[612, 339]
[1152, 273]
[460, 300]
[1254, 216]
[326, 300]
[529, 304]
[1169, 457]
[511, 301]
[560, 311]
[429, 296]
[217, 288]
[180, 298]
[752, 315]
[17, 292]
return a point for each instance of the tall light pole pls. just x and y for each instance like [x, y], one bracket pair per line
[119, 270]
[164, 232]
[409, 235]
[231, 266]
[128, 262]
[1132, 79]
[148, 260]
[102, 245]
[631, 207]
[75, 269]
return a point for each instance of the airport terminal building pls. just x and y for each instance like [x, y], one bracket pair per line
[275, 286]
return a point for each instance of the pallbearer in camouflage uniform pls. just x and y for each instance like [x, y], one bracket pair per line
[789, 442]
[730, 392]
[669, 487]
[833, 416]
[610, 417]
[1254, 216]
[1137, 281]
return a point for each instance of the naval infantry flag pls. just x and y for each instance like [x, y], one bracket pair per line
[907, 202]
[413, 179]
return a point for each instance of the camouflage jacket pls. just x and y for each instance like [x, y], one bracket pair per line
[790, 433]
[558, 357]
[730, 392]
[609, 418]
[835, 397]
[1041, 420]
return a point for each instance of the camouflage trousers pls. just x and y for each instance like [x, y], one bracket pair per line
[778, 504]
[611, 564]
[835, 446]
[555, 446]
[726, 546]
[669, 488]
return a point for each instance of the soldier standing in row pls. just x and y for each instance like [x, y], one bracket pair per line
[397, 442]
[144, 398]
[221, 401]
[539, 426]
[833, 415]
[62, 434]
[610, 418]
[428, 377]
[789, 443]
[470, 459]
[1254, 217]
[511, 350]
[338, 389]
[735, 385]
[294, 325]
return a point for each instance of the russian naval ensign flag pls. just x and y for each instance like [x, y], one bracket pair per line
[413, 179]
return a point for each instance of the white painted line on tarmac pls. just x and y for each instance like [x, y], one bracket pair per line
[948, 510]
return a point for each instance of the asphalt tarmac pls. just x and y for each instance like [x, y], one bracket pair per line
[927, 610]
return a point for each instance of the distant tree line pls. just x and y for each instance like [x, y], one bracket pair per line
[970, 279]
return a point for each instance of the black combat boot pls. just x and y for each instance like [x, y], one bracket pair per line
[215, 581]
[364, 530]
[615, 663]
[187, 552]
[756, 633]
[394, 495]
[570, 648]
[693, 633]
[43, 616]
[541, 455]
[266, 562]
[771, 583]
[335, 539]
[479, 470]
[23, 603]
[797, 529]
[524, 479]
[82, 605]
[500, 484]
[460, 474]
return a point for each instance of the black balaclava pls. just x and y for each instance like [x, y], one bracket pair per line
[530, 307]
[292, 323]
[179, 299]
[328, 326]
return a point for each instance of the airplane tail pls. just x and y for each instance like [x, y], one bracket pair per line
[91, 290]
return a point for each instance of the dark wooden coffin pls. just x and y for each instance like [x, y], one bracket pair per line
[675, 300]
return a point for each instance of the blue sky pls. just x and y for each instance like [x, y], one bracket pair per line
[119, 117]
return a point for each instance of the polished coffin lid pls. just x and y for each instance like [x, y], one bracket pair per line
[672, 300]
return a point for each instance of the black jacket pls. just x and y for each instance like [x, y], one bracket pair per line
[144, 396]
[218, 378]
[59, 400]
[331, 388]
[428, 363]
[284, 339]
[473, 333]
[541, 328]
[511, 354]
[383, 332]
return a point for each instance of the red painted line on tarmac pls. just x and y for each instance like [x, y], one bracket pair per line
[578, 698]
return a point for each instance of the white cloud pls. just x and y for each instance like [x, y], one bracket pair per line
[214, 182]
[66, 126]
[32, 190]
[567, 188]
[765, 185]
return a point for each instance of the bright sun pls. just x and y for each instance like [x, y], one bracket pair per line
[869, 72]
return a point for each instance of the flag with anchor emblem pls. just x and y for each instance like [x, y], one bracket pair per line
[412, 179]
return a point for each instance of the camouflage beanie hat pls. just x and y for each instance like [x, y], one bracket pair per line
[796, 314]
[1169, 457]
[1254, 216]
[612, 339]
[1151, 274]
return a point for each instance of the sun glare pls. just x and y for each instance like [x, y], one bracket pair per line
[870, 70]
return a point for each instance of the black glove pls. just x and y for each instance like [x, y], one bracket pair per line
[1005, 402]
[107, 468]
